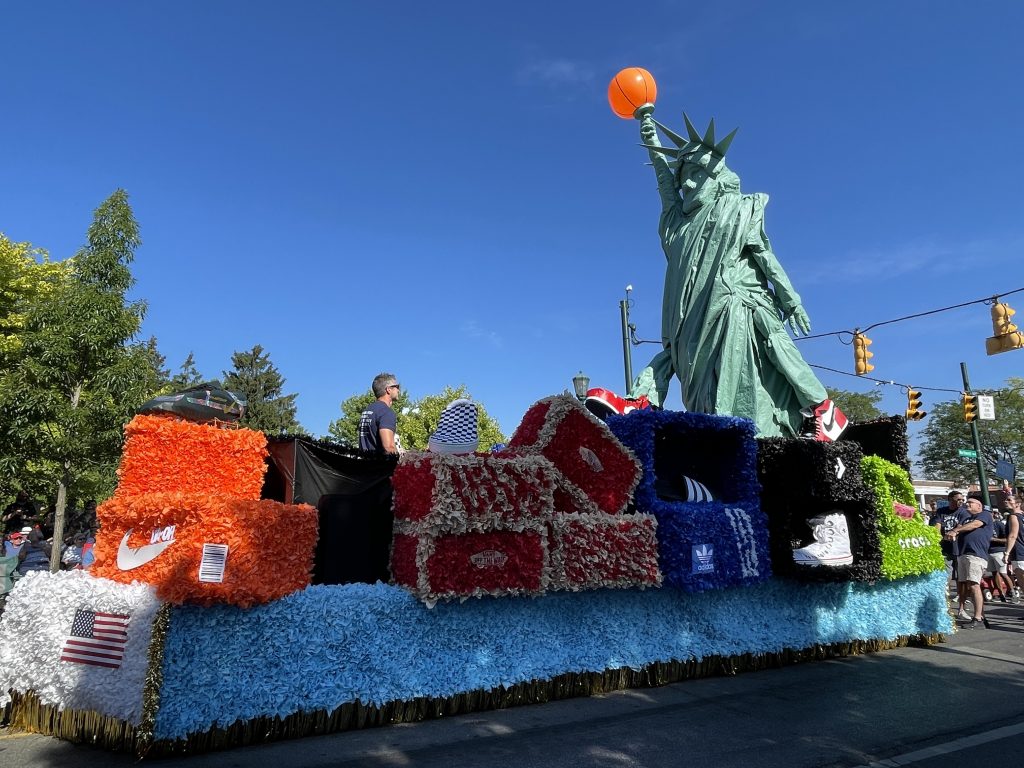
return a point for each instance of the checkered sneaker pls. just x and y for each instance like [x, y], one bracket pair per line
[456, 429]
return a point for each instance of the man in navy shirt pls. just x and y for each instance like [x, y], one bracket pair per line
[378, 422]
[945, 520]
[972, 537]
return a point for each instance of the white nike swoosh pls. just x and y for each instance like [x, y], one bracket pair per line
[133, 557]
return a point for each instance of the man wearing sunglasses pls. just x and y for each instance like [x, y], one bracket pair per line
[378, 422]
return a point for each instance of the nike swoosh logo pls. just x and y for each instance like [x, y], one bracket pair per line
[831, 418]
[133, 557]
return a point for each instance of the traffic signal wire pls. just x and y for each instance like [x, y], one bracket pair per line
[987, 300]
[886, 381]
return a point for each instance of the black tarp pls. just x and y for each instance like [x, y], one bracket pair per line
[352, 493]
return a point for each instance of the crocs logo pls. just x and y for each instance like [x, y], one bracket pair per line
[489, 558]
[913, 542]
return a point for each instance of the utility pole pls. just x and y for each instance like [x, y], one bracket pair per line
[627, 353]
[982, 478]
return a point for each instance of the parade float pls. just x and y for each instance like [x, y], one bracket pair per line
[248, 590]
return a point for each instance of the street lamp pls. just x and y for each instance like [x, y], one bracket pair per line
[627, 327]
[581, 383]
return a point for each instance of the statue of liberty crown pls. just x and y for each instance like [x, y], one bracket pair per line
[695, 144]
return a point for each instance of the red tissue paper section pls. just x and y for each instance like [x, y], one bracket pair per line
[514, 523]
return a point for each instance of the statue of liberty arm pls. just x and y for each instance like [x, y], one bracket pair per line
[726, 297]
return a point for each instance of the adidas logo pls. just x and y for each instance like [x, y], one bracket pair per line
[703, 558]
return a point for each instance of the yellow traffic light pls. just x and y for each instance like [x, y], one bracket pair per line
[970, 407]
[1001, 314]
[913, 406]
[861, 354]
[1006, 336]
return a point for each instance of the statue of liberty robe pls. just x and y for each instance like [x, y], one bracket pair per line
[726, 297]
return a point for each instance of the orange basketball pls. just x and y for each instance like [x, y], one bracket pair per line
[629, 89]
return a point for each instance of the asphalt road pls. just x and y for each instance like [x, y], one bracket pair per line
[924, 707]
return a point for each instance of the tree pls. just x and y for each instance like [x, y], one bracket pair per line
[345, 429]
[858, 406]
[26, 273]
[78, 376]
[187, 376]
[417, 419]
[157, 363]
[256, 378]
[947, 432]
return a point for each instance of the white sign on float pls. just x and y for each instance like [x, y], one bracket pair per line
[986, 407]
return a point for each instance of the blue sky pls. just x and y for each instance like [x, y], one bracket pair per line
[441, 191]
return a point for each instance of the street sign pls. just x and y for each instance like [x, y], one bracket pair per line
[986, 408]
[968, 453]
[1005, 470]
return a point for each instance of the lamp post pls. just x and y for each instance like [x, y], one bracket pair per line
[627, 355]
[581, 383]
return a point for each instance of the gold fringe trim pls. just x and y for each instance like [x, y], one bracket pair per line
[79, 726]
[154, 680]
[93, 728]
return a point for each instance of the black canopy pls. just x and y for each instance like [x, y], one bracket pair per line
[352, 492]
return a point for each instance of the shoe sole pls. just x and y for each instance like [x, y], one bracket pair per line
[837, 561]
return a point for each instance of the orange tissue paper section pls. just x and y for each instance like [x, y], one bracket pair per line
[187, 518]
[207, 549]
[164, 454]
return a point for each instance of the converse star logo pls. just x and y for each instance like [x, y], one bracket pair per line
[134, 557]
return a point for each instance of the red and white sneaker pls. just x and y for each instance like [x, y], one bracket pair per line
[604, 403]
[637, 403]
[829, 421]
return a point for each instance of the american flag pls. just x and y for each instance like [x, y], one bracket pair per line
[96, 638]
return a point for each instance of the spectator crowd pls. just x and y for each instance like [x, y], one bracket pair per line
[984, 551]
[28, 543]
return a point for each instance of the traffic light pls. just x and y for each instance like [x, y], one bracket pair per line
[913, 406]
[970, 407]
[861, 354]
[1006, 336]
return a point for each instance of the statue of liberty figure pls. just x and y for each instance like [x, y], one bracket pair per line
[726, 298]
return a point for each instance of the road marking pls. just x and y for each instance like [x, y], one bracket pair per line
[956, 745]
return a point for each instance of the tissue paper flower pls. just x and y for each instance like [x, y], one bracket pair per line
[35, 630]
[165, 454]
[206, 548]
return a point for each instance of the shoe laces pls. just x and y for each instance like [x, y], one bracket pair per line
[825, 532]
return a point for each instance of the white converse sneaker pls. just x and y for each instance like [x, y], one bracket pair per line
[831, 545]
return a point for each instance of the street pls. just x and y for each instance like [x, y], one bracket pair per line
[910, 706]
